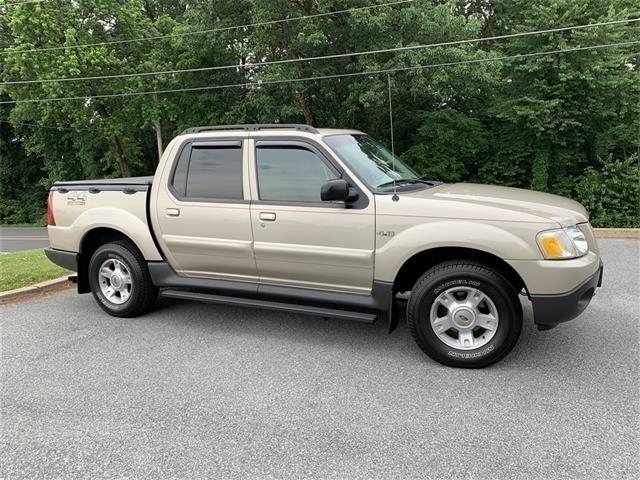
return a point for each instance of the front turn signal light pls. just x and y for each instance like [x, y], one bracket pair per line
[556, 245]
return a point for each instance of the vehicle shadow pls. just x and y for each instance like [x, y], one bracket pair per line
[311, 331]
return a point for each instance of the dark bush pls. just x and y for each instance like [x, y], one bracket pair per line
[612, 193]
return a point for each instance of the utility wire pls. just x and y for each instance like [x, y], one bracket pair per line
[321, 57]
[19, 3]
[323, 77]
[213, 30]
[24, 124]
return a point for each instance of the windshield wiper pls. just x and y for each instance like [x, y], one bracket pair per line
[406, 181]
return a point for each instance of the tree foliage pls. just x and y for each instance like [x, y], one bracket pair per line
[566, 123]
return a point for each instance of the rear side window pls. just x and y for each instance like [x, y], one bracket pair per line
[291, 173]
[209, 172]
[179, 181]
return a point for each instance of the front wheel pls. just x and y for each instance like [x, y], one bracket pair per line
[464, 314]
[120, 281]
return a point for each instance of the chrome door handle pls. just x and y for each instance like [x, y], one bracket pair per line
[173, 212]
[267, 216]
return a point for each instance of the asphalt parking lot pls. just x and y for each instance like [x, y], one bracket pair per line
[194, 391]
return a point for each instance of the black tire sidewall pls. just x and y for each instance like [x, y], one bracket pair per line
[500, 293]
[117, 252]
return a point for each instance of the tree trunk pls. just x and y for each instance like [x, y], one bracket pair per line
[158, 140]
[158, 127]
[306, 107]
[117, 146]
[124, 165]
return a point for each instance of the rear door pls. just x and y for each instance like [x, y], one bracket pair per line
[299, 240]
[202, 211]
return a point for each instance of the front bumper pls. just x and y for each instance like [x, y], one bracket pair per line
[550, 310]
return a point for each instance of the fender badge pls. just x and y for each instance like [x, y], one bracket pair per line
[76, 198]
[386, 233]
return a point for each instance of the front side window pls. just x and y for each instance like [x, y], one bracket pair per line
[209, 172]
[291, 173]
[372, 162]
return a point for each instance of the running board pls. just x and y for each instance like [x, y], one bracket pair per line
[270, 305]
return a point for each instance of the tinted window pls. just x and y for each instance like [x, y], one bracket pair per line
[289, 173]
[211, 172]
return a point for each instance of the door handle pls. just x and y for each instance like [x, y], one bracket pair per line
[173, 212]
[267, 216]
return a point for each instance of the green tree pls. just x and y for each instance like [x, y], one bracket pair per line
[543, 123]
[612, 193]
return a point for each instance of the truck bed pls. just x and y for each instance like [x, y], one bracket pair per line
[119, 204]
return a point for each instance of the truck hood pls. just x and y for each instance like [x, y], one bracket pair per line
[559, 209]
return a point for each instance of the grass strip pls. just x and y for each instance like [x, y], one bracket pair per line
[20, 269]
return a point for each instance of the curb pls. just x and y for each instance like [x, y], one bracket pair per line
[37, 289]
[633, 233]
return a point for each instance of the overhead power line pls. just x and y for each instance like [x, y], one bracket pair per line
[213, 30]
[19, 3]
[323, 77]
[59, 128]
[320, 57]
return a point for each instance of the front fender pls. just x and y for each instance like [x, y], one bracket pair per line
[509, 241]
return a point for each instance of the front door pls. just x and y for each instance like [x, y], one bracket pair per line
[299, 240]
[203, 215]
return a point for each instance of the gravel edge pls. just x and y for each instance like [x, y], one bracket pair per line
[618, 233]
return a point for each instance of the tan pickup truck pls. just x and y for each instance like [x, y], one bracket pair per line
[327, 222]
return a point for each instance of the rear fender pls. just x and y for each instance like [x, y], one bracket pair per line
[117, 219]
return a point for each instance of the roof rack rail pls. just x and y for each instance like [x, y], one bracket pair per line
[252, 127]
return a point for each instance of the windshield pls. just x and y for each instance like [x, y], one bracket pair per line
[370, 160]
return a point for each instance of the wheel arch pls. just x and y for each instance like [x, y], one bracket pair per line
[89, 243]
[420, 262]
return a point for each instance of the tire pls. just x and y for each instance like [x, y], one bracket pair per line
[135, 293]
[467, 336]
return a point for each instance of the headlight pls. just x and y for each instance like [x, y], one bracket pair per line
[579, 240]
[562, 243]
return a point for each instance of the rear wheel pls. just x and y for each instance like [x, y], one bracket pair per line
[120, 281]
[464, 314]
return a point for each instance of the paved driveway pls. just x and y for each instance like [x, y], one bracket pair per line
[14, 239]
[195, 391]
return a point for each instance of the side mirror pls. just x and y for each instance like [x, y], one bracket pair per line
[337, 190]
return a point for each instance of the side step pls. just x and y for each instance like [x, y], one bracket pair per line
[270, 305]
